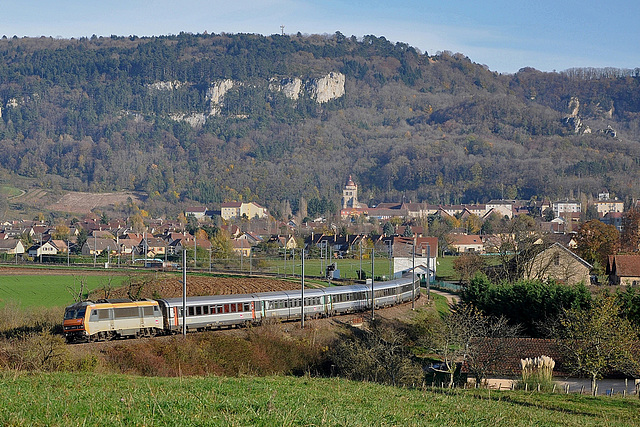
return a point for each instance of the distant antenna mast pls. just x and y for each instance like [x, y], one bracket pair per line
[282, 29]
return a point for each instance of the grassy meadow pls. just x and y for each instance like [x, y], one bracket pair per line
[49, 290]
[87, 399]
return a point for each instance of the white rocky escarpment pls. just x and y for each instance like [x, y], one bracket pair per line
[196, 120]
[327, 88]
[322, 89]
[290, 87]
[216, 93]
[165, 86]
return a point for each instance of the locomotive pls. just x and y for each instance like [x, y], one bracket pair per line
[118, 318]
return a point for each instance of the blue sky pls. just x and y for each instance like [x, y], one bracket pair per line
[504, 35]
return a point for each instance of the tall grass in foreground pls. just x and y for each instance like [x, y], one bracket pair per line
[83, 399]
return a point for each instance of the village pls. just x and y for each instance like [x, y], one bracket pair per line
[397, 231]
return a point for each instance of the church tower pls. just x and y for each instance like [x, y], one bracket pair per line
[350, 195]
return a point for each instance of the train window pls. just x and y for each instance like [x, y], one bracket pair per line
[218, 309]
[247, 306]
[198, 311]
[205, 309]
[226, 308]
[233, 308]
[190, 312]
[156, 309]
[240, 307]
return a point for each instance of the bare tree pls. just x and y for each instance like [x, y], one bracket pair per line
[77, 290]
[467, 265]
[458, 339]
[108, 287]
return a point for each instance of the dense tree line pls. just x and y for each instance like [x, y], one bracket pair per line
[82, 114]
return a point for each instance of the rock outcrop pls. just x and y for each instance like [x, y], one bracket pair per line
[165, 86]
[327, 88]
[573, 120]
[216, 93]
[321, 90]
[196, 120]
[290, 87]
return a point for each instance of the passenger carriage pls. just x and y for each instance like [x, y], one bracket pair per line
[347, 299]
[210, 312]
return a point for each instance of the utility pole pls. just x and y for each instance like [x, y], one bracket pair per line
[360, 274]
[428, 272]
[390, 258]
[413, 276]
[373, 300]
[302, 291]
[184, 292]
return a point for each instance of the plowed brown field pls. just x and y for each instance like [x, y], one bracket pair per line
[171, 286]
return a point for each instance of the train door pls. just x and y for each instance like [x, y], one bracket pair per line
[141, 316]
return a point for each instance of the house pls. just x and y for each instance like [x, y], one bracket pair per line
[128, 246]
[241, 247]
[426, 252]
[562, 207]
[198, 212]
[624, 269]
[251, 210]
[60, 245]
[251, 239]
[608, 206]
[560, 264]
[466, 243]
[613, 218]
[96, 246]
[46, 248]
[153, 246]
[287, 242]
[11, 246]
[500, 207]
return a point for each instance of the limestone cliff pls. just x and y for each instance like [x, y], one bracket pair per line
[290, 87]
[216, 93]
[327, 88]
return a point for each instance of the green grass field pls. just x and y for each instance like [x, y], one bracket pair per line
[46, 290]
[9, 191]
[89, 399]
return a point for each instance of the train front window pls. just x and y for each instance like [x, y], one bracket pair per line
[75, 313]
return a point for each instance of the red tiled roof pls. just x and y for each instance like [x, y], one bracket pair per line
[464, 239]
[626, 265]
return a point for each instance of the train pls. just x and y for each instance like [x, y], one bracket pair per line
[108, 319]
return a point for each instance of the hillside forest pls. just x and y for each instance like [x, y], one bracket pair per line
[109, 114]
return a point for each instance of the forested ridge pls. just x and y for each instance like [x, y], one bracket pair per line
[83, 114]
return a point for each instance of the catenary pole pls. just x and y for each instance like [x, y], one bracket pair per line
[373, 300]
[413, 276]
[302, 291]
[184, 292]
